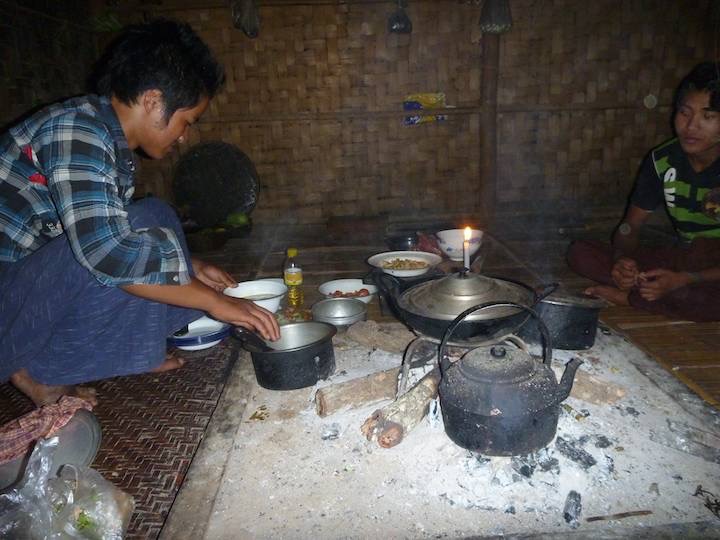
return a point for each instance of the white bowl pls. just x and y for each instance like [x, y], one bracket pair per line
[451, 242]
[381, 259]
[266, 293]
[347, 288]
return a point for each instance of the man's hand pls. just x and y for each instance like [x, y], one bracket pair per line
[625, 273]
[212, 276]
[655, 284]
[245, 313]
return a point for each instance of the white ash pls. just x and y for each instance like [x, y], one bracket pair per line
[294, 474]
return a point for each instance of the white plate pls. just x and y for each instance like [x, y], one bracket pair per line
[429, 258]
[346, 286]
[202, 333]
[200, 347]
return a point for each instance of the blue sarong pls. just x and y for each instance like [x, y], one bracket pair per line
[58, 322]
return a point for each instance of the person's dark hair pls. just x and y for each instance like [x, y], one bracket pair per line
[164, 55]
[704, 77]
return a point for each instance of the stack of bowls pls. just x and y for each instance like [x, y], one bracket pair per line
[339, 311]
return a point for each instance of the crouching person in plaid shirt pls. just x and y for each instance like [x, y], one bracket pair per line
[92, 283]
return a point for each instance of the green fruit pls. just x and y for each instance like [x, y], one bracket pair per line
[237, 219]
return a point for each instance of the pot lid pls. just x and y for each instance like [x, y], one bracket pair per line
[448, 297]
[570, 299]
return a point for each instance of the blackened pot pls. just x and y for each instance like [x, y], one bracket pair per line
[515, 434]
[429, 306]
[497, 399]
[302, 356]
[571, 321]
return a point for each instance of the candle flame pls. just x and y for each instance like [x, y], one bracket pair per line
[468, 233]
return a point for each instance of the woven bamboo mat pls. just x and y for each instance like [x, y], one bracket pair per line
[152, 425]
[686, 349]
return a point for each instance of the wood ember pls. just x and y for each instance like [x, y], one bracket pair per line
[572, 451]
[392, 423]
[391, 337]
[356, 392]
[573, 508]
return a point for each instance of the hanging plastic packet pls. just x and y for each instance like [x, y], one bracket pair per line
[424, 101]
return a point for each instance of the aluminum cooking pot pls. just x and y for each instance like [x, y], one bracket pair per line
[429, 307]
[497, 399]
[302, 356]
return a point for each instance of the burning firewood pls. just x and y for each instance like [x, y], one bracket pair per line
[390, 424]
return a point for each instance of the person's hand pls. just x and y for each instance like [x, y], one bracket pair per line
[625, 273]
[655, 284]
[245, 313]
[212, 276]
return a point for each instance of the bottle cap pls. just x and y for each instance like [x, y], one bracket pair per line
[292, 252]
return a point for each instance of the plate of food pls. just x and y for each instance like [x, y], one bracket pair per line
[404, 263]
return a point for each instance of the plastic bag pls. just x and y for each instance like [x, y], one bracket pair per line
[79, 503]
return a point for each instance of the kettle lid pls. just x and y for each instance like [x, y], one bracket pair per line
[499, 378]
[497, 364]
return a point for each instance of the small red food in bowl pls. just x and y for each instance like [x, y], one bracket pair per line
[351, 294]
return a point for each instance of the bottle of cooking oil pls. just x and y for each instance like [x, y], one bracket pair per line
[293, 277]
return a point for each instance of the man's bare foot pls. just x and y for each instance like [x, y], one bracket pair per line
[44, 394]
[611, 294]
[172, 361]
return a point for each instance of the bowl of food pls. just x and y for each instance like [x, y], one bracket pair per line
[339, 311]
[451, 242]
[404, 263]
[266, 293]
[348, 288]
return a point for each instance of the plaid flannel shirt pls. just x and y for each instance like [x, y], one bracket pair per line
[68, 169]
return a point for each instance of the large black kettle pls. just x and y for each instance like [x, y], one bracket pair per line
[497, 399]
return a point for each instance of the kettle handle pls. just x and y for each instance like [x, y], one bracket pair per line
[547, 349]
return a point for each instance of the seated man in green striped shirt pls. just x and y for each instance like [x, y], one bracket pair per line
[680, 280]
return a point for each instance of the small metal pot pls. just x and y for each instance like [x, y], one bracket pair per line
[570, 319]
[302, 356]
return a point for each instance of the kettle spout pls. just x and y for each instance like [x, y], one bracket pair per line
[567, 379]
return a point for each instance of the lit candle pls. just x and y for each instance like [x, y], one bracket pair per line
[466, 248]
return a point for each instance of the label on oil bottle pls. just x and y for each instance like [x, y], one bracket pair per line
[293, 276]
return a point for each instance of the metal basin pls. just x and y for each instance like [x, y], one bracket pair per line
[340, 311]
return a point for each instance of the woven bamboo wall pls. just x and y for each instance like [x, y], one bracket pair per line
[46, 51]
[573, 126]
[315, 101]
[310, 101]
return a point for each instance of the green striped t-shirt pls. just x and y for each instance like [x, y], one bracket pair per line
[692, 199]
